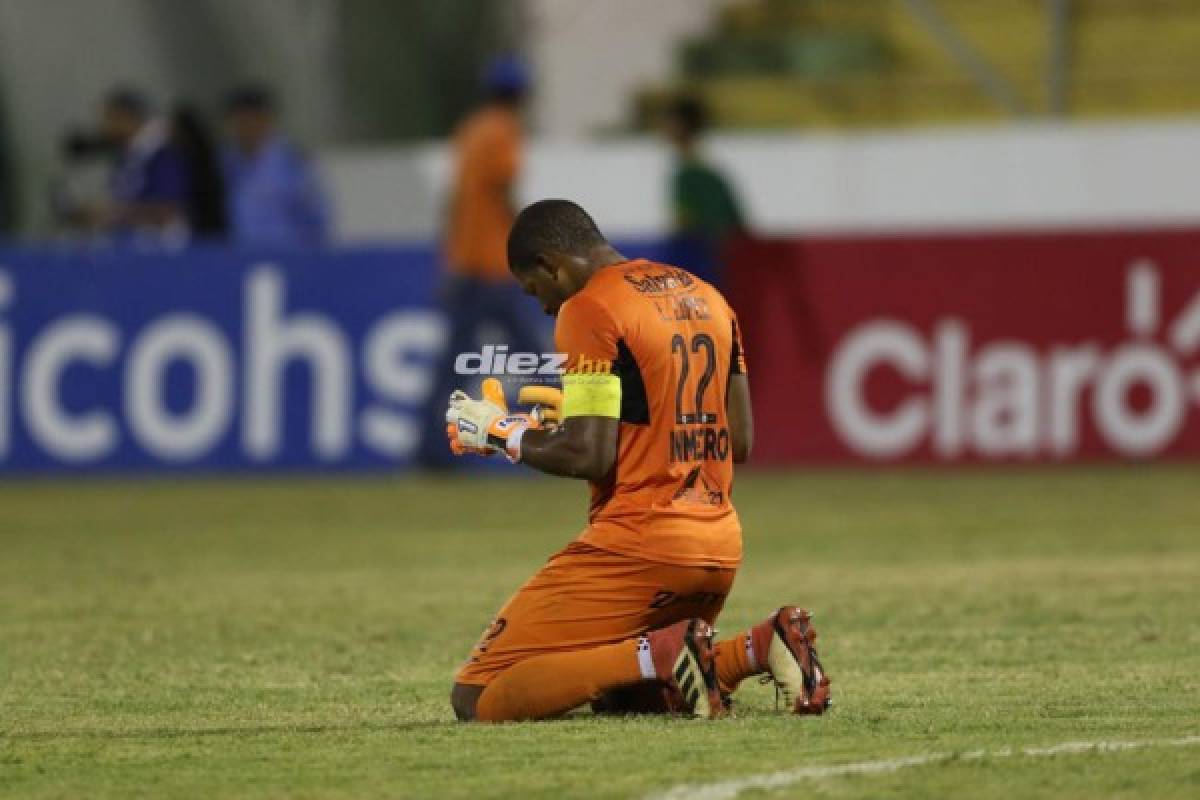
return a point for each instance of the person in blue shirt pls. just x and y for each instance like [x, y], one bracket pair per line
[273, 195]
[150, 181]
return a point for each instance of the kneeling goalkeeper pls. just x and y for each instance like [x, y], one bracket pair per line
[655, 412]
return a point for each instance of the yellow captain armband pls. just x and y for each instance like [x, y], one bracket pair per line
[592, 394]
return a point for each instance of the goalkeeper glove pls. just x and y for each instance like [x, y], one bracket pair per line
[485, 426]
[546, 402]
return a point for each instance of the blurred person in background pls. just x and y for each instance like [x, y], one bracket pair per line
[206, 195]
[478, 289]
[150, 181]
[273, 196]
[705, 209]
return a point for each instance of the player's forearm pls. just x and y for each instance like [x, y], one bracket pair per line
[561, 453]
[741, 418]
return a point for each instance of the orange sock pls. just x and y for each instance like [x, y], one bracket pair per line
[553, 684]
[737, 657]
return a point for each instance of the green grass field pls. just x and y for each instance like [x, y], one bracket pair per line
[297, 638]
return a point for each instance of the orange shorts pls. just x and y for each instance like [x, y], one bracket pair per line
[586, 597]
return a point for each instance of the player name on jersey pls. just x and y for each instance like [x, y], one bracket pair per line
[699, 444]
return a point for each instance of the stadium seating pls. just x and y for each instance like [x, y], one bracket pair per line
[788, 63]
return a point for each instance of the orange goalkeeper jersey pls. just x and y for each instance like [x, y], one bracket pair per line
[668, 342]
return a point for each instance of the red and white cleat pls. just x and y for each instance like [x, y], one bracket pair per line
[684, 659]
[792, 660]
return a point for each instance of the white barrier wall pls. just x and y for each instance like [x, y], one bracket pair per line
[1025, 176]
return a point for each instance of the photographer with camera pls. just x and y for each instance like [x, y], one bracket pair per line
[148, 188]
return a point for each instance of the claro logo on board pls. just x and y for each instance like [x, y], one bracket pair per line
[1010, 398]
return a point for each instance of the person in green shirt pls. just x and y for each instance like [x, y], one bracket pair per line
[705, 207]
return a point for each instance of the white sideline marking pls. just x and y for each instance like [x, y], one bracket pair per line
[723, 790]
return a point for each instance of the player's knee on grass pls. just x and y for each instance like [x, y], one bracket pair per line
[652, 697]
[464, 698]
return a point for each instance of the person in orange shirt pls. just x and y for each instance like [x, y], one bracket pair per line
[478, 289]
[655, 412]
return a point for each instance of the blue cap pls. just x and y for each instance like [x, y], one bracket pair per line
[506, 74]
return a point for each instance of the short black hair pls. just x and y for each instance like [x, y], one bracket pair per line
[551, 226]
[127, 100]
[250, 97]
[691, 113]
